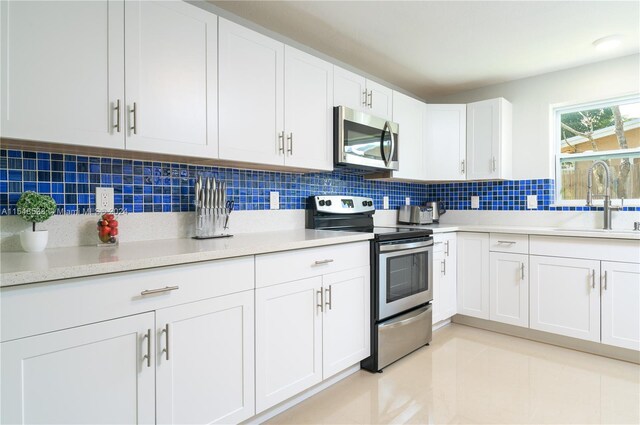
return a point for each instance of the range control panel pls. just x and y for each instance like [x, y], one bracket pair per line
[335, 204]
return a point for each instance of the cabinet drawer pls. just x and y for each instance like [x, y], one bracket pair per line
[45, 307]
[509, 242]
[286, 266]
[443, 242]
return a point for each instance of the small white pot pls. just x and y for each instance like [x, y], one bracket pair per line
[34, 241]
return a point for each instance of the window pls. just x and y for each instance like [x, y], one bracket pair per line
[607, 131]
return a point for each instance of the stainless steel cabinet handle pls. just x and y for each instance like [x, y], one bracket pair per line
[329, 297]
[370, 99]
[281, 142]
[117, 111]
[462, 167]
[521, 271]
[327, 261]
[593, 278]
[134, 120]
[165, 331]
[444, 267]
[364, 98]
[290, 139]
[159, 290]
[319, 304]
[507, 242]
[437, 243]
[604, 277]
[493, 162]
[446, 248]
[147, 356]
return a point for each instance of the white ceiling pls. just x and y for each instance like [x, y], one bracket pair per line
[434, 48]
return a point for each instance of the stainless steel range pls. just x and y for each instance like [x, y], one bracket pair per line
[401, 276]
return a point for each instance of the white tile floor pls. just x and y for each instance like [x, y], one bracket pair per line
[468, 376]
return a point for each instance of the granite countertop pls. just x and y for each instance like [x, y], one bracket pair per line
[530, 230]
[19, 268]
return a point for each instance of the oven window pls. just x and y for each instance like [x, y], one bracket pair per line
[407, 275]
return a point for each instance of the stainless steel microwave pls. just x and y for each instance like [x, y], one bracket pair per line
[364, 141]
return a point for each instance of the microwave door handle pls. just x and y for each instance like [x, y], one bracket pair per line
[393, 143]
[387, 160]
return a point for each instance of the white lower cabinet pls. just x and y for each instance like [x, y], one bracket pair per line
[509, 288]
[444, 277]
[99, 373]
[345, 325]
[288, 340]
[308, 330]
[205, 361]
[565, 296]
[473, 274]
[621, 304]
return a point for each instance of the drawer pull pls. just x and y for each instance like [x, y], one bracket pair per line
[159, 290]
[507, 242]
[319, 262]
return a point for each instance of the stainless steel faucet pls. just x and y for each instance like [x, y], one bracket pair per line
[606, 195]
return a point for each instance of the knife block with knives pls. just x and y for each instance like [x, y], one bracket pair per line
[212, 208]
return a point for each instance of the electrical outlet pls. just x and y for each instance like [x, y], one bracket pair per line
[475, 202]
[532, 202]
[385, 202]
[407, 201]
[104, 199]
[274, 200]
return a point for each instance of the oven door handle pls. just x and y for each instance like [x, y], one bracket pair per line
[410, 245]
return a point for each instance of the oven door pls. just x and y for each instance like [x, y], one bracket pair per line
[404, 276]
[365, 140]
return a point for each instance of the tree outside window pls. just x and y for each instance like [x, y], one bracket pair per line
[609, 131]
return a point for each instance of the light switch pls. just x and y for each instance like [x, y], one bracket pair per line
[385, 202]
[274, 200]
[532, 202]
[407, 201]
[475, 202]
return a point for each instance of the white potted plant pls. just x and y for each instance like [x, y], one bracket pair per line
[35, 208]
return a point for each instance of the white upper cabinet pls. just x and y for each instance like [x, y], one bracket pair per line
[171, 78]
[62, 67]
[251, 95]
[269, 116]
[308, 111]
[356, 92]
[409, 113]
[76, 94]
[445, 142]
[489, 140]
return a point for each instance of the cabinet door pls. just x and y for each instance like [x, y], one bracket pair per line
[564, 296]
[205, 361]
[445, 142]
[409, 113]
[346, 329]
[473, 274]
[449, 305]
[90, 374]
[438, 286]
[380, 100]
[251, 77]
[308, 113]
[288, 340]
[349, 89]
[171, 78]
[62, 67]
[489, 140]
[509, 288]
[621, 304]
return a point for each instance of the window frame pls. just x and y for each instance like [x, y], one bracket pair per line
[557, 111]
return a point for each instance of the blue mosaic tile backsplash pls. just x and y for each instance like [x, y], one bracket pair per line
[141, 186]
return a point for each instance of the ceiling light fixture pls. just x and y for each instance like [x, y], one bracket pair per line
[607, 43]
